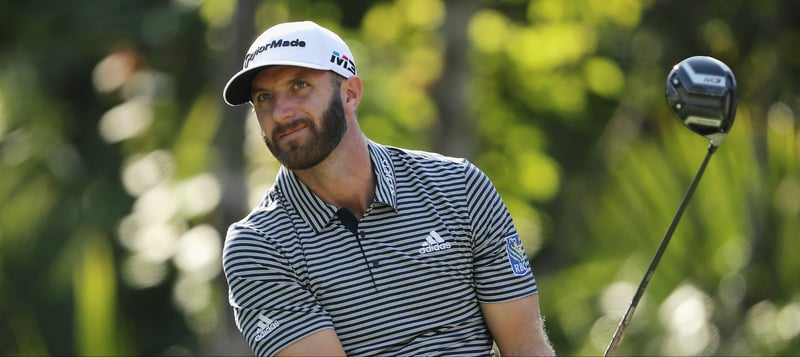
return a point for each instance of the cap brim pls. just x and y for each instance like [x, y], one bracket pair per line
[237, 91]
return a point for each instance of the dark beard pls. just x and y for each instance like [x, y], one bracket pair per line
[305, 155]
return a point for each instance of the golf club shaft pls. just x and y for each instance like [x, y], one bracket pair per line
[623, 324]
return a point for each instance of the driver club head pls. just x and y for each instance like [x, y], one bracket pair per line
[701, 91]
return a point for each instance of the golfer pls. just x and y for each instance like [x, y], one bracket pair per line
[359, 248]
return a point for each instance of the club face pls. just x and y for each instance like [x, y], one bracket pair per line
[701, 92]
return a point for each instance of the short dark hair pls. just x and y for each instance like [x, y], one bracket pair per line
[337, 79]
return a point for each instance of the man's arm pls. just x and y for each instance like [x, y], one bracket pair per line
[320, 343]
[517, 327]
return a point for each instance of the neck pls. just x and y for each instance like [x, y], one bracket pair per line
[345, 179]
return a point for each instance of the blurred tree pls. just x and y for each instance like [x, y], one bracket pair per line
[720, 288]
[454, 129]
[85, 87]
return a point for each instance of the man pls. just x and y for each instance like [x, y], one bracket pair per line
[361, 248]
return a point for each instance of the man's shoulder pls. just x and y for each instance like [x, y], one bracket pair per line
[425, 159]
[265, 230]
[269, 213]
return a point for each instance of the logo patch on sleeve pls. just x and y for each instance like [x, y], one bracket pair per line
[517, 258]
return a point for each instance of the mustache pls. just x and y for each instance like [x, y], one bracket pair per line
[281, 129]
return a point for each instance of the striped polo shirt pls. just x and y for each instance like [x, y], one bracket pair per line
[406, 279]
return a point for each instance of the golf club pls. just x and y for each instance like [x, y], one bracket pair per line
[701, 92]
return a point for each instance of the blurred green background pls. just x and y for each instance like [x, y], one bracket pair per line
[121, 167]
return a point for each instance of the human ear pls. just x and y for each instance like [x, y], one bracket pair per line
[352, 89]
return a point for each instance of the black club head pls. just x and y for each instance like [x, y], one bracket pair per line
[701, 91]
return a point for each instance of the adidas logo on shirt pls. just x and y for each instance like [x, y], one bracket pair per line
[265, 325]
[433, 243]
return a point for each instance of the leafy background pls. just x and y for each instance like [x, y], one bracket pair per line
[121, 167]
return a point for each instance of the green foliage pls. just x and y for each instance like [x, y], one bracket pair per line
[121, 166]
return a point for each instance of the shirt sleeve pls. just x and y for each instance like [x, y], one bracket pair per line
[501, 267]
[271, 307]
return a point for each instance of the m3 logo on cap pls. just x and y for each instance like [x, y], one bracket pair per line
[275, 43]
[343, 61]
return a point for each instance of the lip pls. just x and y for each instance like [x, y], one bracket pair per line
[291, 132]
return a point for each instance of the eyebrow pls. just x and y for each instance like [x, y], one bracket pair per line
[304, 76]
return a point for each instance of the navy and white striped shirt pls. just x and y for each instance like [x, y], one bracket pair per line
[407, 279]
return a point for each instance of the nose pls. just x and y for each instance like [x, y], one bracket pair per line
[282, 108]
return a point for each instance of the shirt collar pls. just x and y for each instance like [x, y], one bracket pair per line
[319, 214]
[382, 165]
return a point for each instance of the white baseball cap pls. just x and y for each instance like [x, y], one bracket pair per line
[302, 44]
